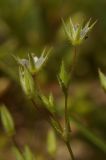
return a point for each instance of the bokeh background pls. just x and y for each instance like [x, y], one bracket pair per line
[30, 25]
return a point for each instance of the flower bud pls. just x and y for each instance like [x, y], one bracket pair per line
[63, 78]
[27, 81]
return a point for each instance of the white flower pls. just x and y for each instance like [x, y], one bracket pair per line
[34, 63]
[77, 33]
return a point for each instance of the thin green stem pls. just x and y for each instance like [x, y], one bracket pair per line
[34, 104]
[89, 135]
[70, 151]
[67, 124]
[50, 118]
[67, 127]
[74, 60]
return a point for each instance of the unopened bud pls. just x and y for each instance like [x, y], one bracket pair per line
[27, 81]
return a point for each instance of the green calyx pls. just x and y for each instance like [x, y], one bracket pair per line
[77, 33]
[27, 81]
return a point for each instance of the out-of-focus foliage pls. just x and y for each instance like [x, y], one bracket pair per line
[26, 155]
[51, 143]
[102, 80]
[7, 120]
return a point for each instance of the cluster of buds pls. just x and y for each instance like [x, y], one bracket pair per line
[77, 33]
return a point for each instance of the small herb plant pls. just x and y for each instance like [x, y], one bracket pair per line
[28, 70]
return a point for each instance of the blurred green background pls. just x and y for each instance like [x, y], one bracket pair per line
[30, 25]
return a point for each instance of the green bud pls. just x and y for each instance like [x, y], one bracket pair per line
[102, 78]
[63, 78]
[48, 102]
[56, 127]
[45, 100]
[77, 33]
[7, 121]
[27, 81]
[51, 100]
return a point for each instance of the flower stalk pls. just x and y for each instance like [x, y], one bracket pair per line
[74, 60]
[70, 151]
[67, 128]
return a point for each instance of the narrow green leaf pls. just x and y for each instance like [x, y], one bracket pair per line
[31, 66]
[56, 127]
[28, 154]
[87, 24]
[72, 27]
[65, 29]
[45, 100]
[48, 102]
[51, 102]
[89, 135]
[92, 25]
[7, 120]
[51, 99]
[102, 78]
[17, 154]
[51, 142]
